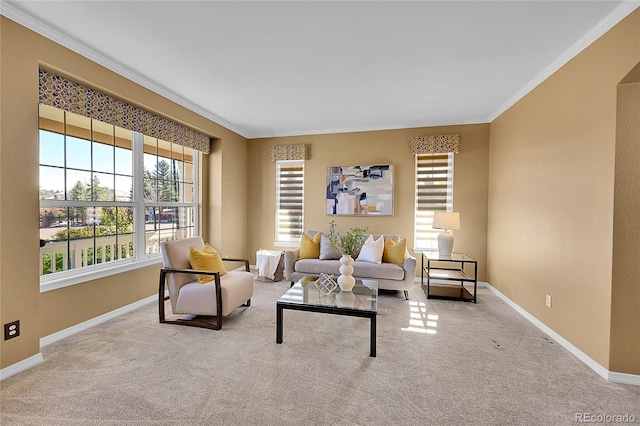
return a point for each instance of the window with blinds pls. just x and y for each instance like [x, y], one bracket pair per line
[289, 201]
[434, 192]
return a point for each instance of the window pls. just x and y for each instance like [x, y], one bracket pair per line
[289, 201]
[434, 191]
[169, 192]
[108, 195]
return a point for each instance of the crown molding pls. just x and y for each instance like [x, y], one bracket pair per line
[397, 126]
[11, 11]
[611, 20]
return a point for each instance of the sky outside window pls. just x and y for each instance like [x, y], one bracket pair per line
[79, 163]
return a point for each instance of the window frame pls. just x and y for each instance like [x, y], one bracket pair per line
[421, 224]
[138, 204]
[280, 238]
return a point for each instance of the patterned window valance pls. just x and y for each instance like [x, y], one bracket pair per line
[288, 152]
[73, 97]
[435, 144]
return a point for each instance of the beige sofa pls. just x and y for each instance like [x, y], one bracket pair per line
[390, 276]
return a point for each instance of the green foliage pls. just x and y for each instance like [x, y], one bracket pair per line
[90, 260]
[97, 192]
[118, 219]
[350, 242]
[159, 184]
[78, 233]
[148, 189]
[114, 221]
[78, 192]
[46, 263]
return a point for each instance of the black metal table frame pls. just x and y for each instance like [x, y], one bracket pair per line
[462, 263]
[281, 306]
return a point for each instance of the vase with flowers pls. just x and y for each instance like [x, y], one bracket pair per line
[348, 243]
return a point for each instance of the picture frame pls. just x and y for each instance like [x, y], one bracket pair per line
[360, 190]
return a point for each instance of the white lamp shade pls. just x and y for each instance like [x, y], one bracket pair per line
[446, 220]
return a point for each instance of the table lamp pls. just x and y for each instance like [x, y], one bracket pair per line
[447, 221]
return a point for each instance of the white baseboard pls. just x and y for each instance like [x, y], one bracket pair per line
[629, 379]
[21, 366]
[95, 321]
[612, 376]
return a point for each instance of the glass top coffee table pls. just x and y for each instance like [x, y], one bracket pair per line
[362, 301]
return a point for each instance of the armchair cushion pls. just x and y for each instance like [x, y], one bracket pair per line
[200, 299]
[207, 259]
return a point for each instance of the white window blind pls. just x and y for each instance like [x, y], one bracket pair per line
[289, 201]
[434, 192]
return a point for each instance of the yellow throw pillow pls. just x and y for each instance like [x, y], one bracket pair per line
[310, 247]
[207, 259]
[394, 252]
[210, 250]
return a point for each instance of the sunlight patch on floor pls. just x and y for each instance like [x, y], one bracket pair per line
[419, 320]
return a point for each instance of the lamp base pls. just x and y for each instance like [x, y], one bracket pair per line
[445, 243]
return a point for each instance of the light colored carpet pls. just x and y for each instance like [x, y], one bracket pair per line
[439, 362]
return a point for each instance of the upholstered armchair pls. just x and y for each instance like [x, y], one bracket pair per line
[205, 303]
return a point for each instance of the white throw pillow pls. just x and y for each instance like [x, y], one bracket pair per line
[372, 250]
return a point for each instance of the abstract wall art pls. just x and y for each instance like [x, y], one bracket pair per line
[360, 190]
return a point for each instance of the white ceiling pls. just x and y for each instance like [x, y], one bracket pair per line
[269, 68]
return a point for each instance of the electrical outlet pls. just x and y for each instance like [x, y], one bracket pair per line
[11, 330]
[548, 302]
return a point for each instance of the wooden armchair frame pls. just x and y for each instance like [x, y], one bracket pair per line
[202, 321]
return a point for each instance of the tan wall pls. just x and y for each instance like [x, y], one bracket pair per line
[22, 52]
[225, 201]
[376, 147]
[68, 306]
[625, 299]
[234, 199]
[551, 181]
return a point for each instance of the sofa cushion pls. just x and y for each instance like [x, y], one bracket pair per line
[360, 269]
[394, 252]
[328, 252]
[315, 266]
[310, 247]
[389, 271]
[372, 250]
